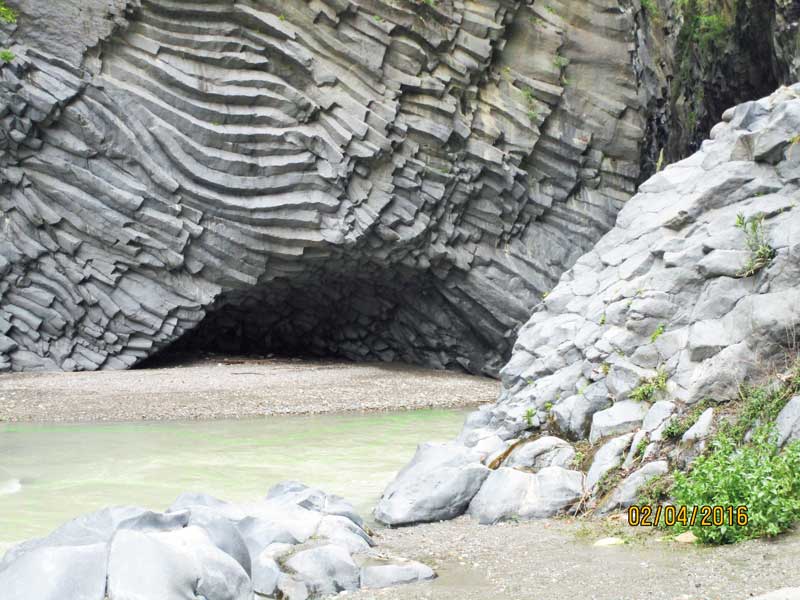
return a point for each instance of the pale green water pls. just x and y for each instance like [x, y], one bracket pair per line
[67, 470]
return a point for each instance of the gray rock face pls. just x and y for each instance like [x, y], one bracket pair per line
[296, 543]
[620, 418]
[627, 493]
[369, 180]
[438, 484]
[547, 451]
[788, 422]
[671, 307]
[510, 493]
[608, 457]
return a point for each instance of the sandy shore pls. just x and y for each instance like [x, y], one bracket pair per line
[214, 388]
[557, 560]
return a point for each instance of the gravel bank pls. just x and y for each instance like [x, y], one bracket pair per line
[235, 388]
[557, 560]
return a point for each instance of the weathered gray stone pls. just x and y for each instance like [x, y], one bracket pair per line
[383, 576]
[607, 458]
[438, 484]
[626, 494]
[266, 574]
[547, 451]
[622, 417]
[700, 430]
[57, 573]
[787, 424]
[173, 565]
[325, 569]
[510, 493]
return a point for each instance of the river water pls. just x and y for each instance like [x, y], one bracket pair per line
[50, 474]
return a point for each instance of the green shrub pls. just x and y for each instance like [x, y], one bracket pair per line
[7, 15]
[658, 333]
[6, 56]
[756, 475]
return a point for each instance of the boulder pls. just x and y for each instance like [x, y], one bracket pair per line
[327, 569]
[437, 484]
[266, 574]
[173, 565]
[622, 417]
[627, 493]
[383, 576]
[57, 573]
[510, 493]
[546, 451]
[607, 458]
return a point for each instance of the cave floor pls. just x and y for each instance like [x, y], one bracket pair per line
[216, 387]
[556, 559]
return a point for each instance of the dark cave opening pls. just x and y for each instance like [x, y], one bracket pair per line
[358, 314]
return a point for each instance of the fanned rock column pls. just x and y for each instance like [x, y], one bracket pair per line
[694, 291]
[375, 180]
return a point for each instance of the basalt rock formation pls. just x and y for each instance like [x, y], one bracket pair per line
[695, 291]
[375, 180]
[295, 544]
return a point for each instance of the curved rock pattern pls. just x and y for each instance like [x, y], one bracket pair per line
[376, 180]
[297, 543]
[678, 304]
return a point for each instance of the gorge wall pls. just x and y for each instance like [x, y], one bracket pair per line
[372, 179]
[369, 179]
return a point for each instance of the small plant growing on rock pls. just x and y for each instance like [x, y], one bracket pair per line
[657, 333]
[677, 426]
[648, 388]
[6, 56]
[761, 253]
[548, 406]
[7, 15]
[529, 414]
[603, 319]
[605, 368]
[641, 447]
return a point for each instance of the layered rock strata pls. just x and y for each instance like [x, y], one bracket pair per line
[374, 180]
[695, 291]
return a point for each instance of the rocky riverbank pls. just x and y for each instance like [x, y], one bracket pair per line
[233, 388]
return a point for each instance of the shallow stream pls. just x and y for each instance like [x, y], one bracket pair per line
[52, 473]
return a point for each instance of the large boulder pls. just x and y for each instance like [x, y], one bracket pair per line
[325, 570]
[510, 493]
[173, 565]
[546, 451]
[437, 484]
[787, 423]
[57, 573]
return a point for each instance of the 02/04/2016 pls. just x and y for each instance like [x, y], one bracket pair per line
[648, 515]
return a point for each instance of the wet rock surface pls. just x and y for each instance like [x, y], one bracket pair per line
[296, 542]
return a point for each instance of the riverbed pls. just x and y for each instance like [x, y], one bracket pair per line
[50, 473]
